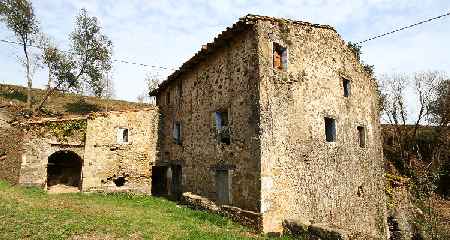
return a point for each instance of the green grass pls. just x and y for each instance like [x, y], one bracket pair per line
[30, 213]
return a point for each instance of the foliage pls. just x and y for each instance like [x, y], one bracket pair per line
[63, 130]
[19, 17]
[86, 65]
[30, 213]
[14, 94]
[356, 49]
[92, 52]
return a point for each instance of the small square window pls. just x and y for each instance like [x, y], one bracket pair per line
[330, 129]
[280, 60]
[347, 87]
[122, 135]
[362, 136]
[177, 132]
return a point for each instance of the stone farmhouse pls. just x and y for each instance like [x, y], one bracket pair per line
[275, 119]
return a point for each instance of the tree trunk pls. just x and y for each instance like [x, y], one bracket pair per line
[29, 80]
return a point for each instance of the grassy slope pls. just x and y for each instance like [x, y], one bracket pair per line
[33, 214]
[14, 98]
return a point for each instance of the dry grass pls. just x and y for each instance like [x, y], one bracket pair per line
[14, 98]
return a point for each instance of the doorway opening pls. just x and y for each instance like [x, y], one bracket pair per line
[64, 169]
[176, 188]
[159, 181]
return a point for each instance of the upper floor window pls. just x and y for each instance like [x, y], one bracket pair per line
[330, 129]
[222, 126]
[179, 91]
[347, 87]
[177, 132]
[122, 135]
[280, 59]
[168, 96]
[361, 136]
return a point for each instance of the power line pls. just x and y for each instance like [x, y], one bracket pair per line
[404, 28]
[173, 69]
[114, 60]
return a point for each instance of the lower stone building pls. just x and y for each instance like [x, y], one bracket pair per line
[110, 151]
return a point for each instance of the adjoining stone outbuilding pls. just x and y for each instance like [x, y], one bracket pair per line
[279, 118]
[108, 151]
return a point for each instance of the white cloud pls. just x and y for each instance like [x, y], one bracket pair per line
[169, 32]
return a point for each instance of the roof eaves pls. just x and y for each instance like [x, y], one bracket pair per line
[228, 33]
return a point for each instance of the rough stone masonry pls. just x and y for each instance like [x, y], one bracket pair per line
[276, 120]
[105, 152]
[277, 117]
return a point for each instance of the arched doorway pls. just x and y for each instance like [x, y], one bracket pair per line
[64, 168]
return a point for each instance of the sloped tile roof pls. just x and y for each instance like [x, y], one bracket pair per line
[242, 24]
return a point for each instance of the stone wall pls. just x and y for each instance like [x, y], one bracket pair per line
[112, 165]
[227, 81]
[303, 177]
[43, 138]
[10, 149]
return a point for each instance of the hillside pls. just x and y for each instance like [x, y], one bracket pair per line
[13, 98]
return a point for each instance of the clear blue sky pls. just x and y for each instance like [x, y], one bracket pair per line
[167, 33]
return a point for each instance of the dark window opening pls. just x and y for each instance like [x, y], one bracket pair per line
[390, 141]
[223, 187]
[125, 135]
[222, 127]
[347, 87]
[362, 136]
[180, 92]
[279, 57]
[330, 129]
[168, 97]
[120, 181]
[177, 132]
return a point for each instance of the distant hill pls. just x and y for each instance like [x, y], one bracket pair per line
[13, 99]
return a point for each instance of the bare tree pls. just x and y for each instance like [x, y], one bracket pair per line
[394, 90]
[18, 15]
[151, 82]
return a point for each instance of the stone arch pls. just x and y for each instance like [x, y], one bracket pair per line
[64, 168]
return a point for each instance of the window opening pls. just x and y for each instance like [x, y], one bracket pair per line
[122, 135]
[362, 136]
[177, 132]
[168, 97]
[222, 127]
[347, 88]
[280, 60]
[330, 129]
